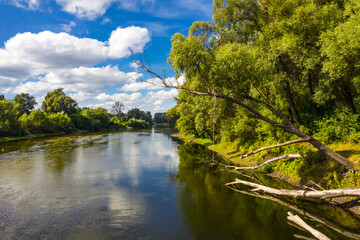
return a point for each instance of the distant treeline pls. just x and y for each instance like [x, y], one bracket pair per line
[60, 113]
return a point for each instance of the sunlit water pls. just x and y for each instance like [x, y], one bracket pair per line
[131, 185]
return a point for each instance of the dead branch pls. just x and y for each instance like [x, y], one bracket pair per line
[267, 162]
[296, 219]
[275, 146]
[342, 192]
[300, 211]
[298, 236]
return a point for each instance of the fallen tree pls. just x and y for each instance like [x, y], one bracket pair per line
[301, 211]
[343, 192]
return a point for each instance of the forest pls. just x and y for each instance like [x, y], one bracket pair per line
[281, 76]
[60, 113]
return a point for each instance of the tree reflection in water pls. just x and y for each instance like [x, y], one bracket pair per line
[212, 211]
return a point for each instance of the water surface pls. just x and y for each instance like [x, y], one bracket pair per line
[134, 185]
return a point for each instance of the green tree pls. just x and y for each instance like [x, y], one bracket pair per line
[139, 114]
[26, 102]
[265, 59]
[57, 101]
[9, 123]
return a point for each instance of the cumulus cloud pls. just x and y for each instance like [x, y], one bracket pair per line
[85, 9]
[84, 82]
[91, 10]
[28, 54]
[158, 98]
[153, 101]
[67, 27]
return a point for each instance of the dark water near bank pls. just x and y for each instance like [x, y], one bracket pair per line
[138, 185]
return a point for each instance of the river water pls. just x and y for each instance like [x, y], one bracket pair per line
[139, 185]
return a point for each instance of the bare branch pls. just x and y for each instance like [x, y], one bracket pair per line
[268, 162]
[296, 219]
[348, 192]
[275, 146]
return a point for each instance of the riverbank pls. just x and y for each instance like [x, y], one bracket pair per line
[312, 171]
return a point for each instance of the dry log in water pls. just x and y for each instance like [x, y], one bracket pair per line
[267, 162]
[348, 192]
[296, 219]
[302, 212]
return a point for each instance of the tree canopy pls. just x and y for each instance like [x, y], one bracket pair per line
[273, 70]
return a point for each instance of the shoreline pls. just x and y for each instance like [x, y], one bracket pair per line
[339, 202]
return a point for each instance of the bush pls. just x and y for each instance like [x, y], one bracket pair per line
[62, 122]
[137, 123]
[116, 123]
[341, 126]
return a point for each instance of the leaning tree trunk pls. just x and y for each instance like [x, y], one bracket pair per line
[321, 147]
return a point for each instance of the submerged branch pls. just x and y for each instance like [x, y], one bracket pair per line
[349, 192]
[296, 219]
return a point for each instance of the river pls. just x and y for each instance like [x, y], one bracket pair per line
[138, 185]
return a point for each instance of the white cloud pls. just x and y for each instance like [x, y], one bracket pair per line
[28, 54]
[158, 98]
[134, 87]
[67, 27]
[152, 84]
[122, 97]
[85, 9]
[152, 101]
[105, 21]
[83, 82]
[26, 4]
[133, 65]
[124, 41]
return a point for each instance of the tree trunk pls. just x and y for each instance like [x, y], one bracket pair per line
[322, 148]
[290, 100]
[349, 100]
[311, 89]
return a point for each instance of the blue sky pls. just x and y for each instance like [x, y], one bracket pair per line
[84, 46]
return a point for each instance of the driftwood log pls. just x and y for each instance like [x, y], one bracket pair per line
[343, 192]
[296, 219]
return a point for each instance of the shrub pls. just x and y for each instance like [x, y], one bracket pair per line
[137, 123]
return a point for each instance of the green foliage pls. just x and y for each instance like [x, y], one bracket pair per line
[116, 122]
[9, 123]
[139, 114]
[26, 102]
[62, 122]
[337, 180]
[341, 126]
[57, 101]
[137, 123]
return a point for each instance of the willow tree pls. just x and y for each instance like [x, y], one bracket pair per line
[268, 57]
